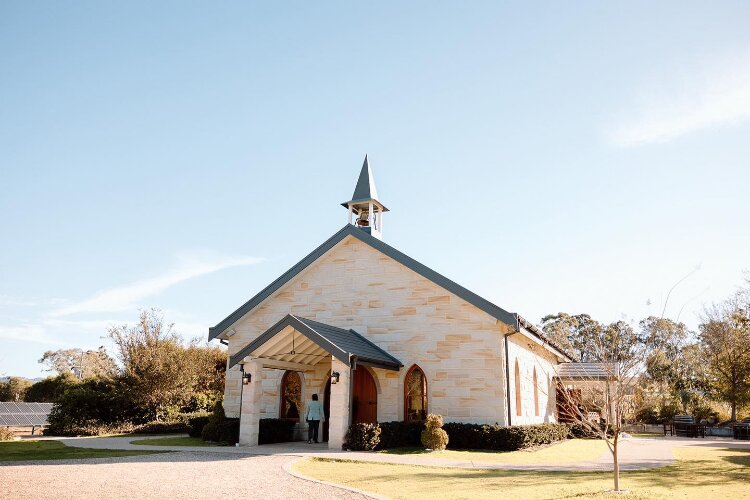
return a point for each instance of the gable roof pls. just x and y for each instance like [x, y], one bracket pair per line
[511, 319]
[342, 344]
[349, 230]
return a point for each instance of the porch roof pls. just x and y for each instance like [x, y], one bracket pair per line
[317, 339]
[586, 371]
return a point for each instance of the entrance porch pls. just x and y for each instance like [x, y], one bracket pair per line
[331, 362]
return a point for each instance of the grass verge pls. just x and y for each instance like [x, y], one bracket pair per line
[173, 441]
[54, 450]
[700, 473]
[574, 450]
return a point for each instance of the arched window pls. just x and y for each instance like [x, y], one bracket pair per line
[415, 395]
[291, 396]
[536, 394]
[518, 390]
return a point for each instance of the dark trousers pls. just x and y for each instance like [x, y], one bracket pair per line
[312, 430]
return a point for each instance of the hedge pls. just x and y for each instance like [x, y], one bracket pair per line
[400, 435]
[275, 430]
[460, 436]
[196, 423]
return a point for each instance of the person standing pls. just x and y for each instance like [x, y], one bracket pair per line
[313, 415]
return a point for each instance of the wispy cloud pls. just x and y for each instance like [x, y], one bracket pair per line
[127, 297]
[28, 333]
[703, 95]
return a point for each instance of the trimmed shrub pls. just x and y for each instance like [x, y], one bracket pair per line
[400, 435]
[275, 430]
[362, 437]
[219, 428]
[229, 431]
[468, 436]
[7, 434]
[434, 437]
[195, 424]
[174, 427]
[500, 438]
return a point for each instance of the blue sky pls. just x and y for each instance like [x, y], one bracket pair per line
[577, 157]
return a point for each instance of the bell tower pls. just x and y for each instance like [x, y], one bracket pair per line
[365, 211]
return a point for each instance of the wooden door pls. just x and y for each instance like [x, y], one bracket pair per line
[326, 409]
[365, 398]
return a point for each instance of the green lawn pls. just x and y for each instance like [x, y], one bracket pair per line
[55, 450]
[174, 441]
[574, 450]
[700, 473]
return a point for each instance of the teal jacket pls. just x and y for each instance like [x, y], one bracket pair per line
[314, 411]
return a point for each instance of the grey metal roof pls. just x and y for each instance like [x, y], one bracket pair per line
[586, 371]
[341, 343]
[365, 189]
[15, 414]
[485, 305]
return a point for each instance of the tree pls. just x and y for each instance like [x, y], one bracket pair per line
[163, 376]
[605, 387]
[83, 364]
[49, 389]
[572, 333]
[725, 347]
[14, 389]
[154, 375]
[672, 364]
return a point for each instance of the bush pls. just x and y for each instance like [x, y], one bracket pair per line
[434, 437]
[195, 424]
[7, 434]
[90, 407]
[362, 437]
[275, 430]
[229, 431]
[647, 415]
[400, 435]
[221, 429]
[173, 427]
[496, 437]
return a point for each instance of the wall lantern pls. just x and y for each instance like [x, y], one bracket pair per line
[246, 377]
[335, 377]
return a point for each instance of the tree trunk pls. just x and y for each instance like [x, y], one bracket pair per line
[616, 464]
[734, 411]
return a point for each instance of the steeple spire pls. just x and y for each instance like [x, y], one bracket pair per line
[365, 205]
[365, 189]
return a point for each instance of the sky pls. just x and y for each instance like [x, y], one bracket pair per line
[550, 156]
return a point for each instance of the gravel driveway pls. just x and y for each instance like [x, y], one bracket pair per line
[169, 475]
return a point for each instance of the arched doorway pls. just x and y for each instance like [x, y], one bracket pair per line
[365, 398]
[291, 396]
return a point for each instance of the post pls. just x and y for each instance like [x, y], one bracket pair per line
[250, 406]
[340, 408]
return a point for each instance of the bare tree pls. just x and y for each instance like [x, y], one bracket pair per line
[597, 396]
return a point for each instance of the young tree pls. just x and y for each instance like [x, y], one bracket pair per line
[725, 346]
[82, 364]
[598, 395]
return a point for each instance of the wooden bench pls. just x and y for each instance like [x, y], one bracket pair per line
[741, 430]
[685, 425]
